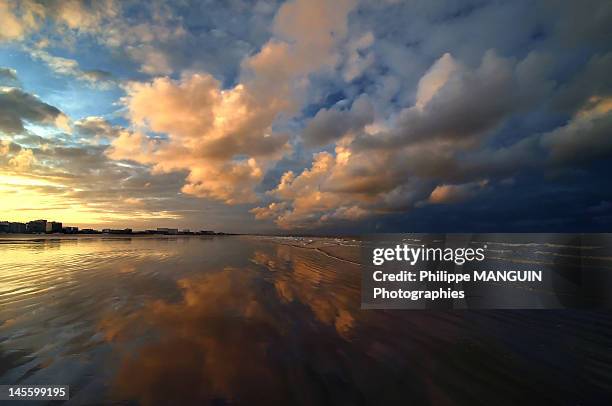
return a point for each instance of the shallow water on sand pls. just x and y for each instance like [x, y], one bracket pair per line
[253, 320]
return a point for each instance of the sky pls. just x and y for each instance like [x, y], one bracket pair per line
[307, 116]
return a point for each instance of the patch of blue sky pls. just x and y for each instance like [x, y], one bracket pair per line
[76, 98]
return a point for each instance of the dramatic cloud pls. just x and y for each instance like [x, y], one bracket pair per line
[458, 104]
[69, 178]
[225, 137]
[100, 19]
[431, 153]
[209, 131]
[381, 171]
[308, 114]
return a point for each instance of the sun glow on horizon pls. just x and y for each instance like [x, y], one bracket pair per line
[23, 198]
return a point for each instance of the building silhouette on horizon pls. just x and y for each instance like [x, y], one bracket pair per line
[55, 227]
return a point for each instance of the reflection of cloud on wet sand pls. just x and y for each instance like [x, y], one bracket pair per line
[230, 337]
[302, 278]
[214, 344]
[286, 330]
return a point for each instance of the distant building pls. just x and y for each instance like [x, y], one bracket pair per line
[163, 230]
[17, 228]
[12, 227]
[114, 231]
[44, 226]
[89, 231]
[53, 227]
[36, 226]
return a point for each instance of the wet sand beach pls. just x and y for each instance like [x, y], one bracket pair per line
[269, 320]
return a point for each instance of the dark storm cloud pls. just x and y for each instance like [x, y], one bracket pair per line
[448, 84]
[331, 124]
[469, 104]
[582, 140]
[594, 79]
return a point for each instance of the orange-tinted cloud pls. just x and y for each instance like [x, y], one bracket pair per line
[224, 137]
[444, 194]
[23, 160]
[221, 137]
[19, 18]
